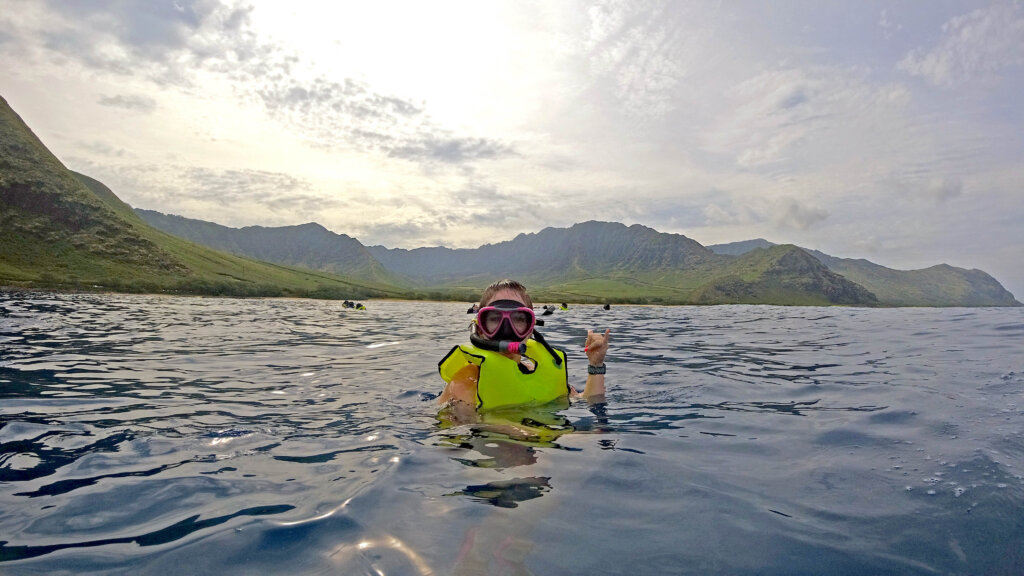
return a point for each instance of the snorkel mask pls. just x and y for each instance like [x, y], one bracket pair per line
[506, 320]
[504, 326]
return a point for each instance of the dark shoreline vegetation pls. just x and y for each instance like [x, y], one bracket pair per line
[60, 230]
[226, 290]
[234, 290]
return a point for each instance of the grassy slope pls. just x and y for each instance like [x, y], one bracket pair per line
[61, 230]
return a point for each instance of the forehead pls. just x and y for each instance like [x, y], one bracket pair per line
[507, 294]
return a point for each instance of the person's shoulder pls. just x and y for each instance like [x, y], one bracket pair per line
[469, 372]
[463, 385]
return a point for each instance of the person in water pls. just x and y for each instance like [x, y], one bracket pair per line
[509, 363]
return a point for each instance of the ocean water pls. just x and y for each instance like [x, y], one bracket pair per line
[165, 435]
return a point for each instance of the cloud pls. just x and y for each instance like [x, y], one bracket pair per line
[641, 49]
[790, 213]
[165, 42]
[943, 189]
[347, 98]
[728, 214]
[475, 213]
[450, 150]
[129, 102]
[229, 197]
[805, 119]
[737, 210]
[188, 43]
[912, 192]
[482, 204]
[868, 244]
[229, 187]
[888, 27]
[104, 149]
[974, 46]
[349, 114]
[403, 233]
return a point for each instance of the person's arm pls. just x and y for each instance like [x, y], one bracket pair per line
[462, 388]
[596, 348]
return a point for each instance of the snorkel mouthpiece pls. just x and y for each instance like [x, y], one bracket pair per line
[498, 345]
[513, 347]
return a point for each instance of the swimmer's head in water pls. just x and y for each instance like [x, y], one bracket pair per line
[508, 320]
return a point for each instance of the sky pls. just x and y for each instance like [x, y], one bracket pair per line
[891, 131]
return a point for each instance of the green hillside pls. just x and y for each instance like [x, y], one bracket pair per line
[784, 274]
[62, 230]
[940, 285]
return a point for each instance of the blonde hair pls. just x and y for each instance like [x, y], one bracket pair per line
[505, 284]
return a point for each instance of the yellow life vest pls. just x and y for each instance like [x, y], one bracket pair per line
[502, 383]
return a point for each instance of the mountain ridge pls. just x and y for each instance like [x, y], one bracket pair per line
[611, 258]
[60, 229]
[937, 285]
[592, 247]
[308, 245]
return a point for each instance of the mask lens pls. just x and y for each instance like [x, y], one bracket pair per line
[505, 320]
[521, 322]
[490, 320]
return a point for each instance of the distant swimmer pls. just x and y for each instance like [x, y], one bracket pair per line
[607, 306]
[360, 306]
[347, 304]
[509, 363]
[473, 309]
[565, 306]
[548, 310]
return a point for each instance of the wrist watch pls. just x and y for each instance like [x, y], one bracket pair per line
[591, 369]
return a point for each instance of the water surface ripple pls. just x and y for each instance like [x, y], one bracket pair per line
[156, 435]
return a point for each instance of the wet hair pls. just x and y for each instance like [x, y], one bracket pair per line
[505, 284]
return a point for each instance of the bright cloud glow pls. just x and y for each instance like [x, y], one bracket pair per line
[890, 131]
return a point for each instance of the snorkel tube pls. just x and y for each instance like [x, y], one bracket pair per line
[512, 346]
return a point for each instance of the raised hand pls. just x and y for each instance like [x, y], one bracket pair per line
[596, 346]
